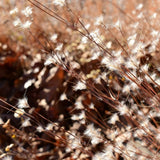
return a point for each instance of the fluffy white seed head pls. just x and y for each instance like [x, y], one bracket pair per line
[27, 11]
[79, 86]
[60, 3]
[23, 103]
[18, 113]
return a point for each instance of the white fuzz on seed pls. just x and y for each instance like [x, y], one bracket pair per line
[99, 20]
[79, 86]
[26, 25]
[114, 118]
[7, 158]
[94, 134]
[1, 121]
[53, 38]
[59, 47]
[63, 97]
[29, 83]
[49, 126]
[60, 3]
[106, 154]
[84, 40]
[139, 7]
[95, 35]
[26, 123]
[23, 103]
[109, 44]
[40, 129]
[49, 61]
[18, 113]
[13, 11]
[17, 22]
[27, 11]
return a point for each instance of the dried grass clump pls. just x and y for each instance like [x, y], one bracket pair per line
[79, 80]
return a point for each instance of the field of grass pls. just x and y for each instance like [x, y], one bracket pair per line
[79, 80]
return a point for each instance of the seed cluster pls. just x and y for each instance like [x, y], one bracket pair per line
[76, 82]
